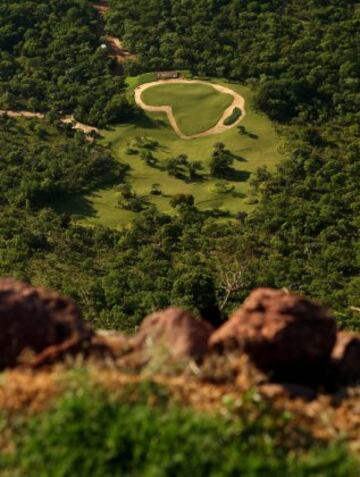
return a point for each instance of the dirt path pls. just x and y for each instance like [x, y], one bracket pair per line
[66, 119]
[102, 7]
[118, 51]
[220, 127]
[116, 46]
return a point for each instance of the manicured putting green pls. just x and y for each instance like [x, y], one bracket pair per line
[196, 107]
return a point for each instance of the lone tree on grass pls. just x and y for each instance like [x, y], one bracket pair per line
[182, 201]
[129, 200]
[176, 166]
[147, 156]
[155, 189]
[221, 160]
[194, 167]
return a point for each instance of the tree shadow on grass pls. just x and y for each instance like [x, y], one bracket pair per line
[197, 179]
[239, 158]
[244, 132]
[141, 121]
[80, 206]
[233, 175]
[217, 213]
[146, 122]
[163, 148]
[77, 206]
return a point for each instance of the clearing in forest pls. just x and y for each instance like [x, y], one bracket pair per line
[194, 108]
[253, 143]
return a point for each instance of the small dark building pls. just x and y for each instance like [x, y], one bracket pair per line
[165, 75]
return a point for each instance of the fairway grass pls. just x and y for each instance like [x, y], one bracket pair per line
[196, 107]
[262, 147]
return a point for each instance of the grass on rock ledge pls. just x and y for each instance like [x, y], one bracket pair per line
[140, 432]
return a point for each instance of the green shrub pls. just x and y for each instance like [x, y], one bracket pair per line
[234, 116]
[131, 151]
[93, 435]
[222, 188]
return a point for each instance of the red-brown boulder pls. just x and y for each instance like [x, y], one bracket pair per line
[346, 356]
[282, 333]
[176, 331]
[114, 342]
[39, 321]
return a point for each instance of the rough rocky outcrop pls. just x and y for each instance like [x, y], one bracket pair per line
[116, 343]
[274, 337]
[37, 323]
[176, 331]
[346, 357]
[283, 334]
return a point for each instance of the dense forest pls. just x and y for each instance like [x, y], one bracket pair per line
[51, 59]
[304, 56]
[41, 162]
[302, 61]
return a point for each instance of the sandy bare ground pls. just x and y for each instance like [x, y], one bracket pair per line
[101, 7]
[118, 51]
[66, 119]
[220, 127]
[116, 46]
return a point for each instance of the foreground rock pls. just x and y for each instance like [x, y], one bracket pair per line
[37, 325]
[176, 332]
[286, 335]
[115, 343]
[346, 357]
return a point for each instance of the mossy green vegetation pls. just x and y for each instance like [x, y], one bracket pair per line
[90, 433]
[196, 107]
[234, 116]
[261, 146]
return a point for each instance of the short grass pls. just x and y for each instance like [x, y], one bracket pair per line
[196, 107]
[261, 147]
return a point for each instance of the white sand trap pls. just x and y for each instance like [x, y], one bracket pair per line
[220, 127]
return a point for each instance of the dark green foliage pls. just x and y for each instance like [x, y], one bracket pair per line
[305, 54]
[303, 233]
[89, 434]
[40, 163]
[234, 116]
[182, 201]
[304, 62]
[50, 58]
[280, 99]
[118, 277]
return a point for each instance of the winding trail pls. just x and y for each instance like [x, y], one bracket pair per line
[220, 127]
[85, 128]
